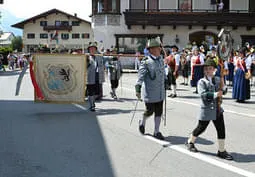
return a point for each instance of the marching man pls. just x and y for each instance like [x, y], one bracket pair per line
[173, 61]
[152, 79]
[95, 75]
[115, 72]
[210, 92]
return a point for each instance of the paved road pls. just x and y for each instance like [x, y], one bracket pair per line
[55, 140]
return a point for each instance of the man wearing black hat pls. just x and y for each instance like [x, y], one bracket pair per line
[209, 90]
[152, 79]
[115, 71]
[95, 75]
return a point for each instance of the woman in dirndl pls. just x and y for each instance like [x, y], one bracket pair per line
[231, 68]
[196, 68]
[241, 87]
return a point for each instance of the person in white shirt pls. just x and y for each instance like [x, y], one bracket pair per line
[221, 6]
[173, 62]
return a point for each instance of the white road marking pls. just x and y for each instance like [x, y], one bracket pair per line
[204, 158]
[198, 156]
[197, 105]
[79, 106]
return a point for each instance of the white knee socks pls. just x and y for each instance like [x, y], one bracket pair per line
[192, 139]
[221, 144]
[157, 120]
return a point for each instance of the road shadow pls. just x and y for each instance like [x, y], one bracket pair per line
[181, 89]
[109, 111]
[243, 158]
[51, 140]
[120, 99]
[179, 140]
[227, 98]
[249, 102]
[188, 97]
[238, 157]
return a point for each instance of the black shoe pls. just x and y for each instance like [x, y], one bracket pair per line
[187, 84]
[240, 101]
[173, 96]
[224, 155]
[141, 128]
[111, 93]
[191, 147]
[170, 95]
[182, 83]
[159, 136]
[195, 92]
[92, 109]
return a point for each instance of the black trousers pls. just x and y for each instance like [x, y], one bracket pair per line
[91, 90]
[171, 78]
[218, 123]
[151, 108]
[114, 83]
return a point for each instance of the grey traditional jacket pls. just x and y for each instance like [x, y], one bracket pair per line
[151, 76]
[209, 104]
[95, 64]
[115, 69]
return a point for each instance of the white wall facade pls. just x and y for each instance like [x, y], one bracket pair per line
[6, 39]
[166, 4]
[202, 4]
[105, 32]
[239, 5]
[69, 43]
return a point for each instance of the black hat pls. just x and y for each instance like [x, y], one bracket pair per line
[92, 44]
[243, 50]
[174, 46]
[210, 62]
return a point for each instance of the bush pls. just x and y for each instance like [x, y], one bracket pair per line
[5, 51]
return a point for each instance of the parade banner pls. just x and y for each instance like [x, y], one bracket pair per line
[60, 77]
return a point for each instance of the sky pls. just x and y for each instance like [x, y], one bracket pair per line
[27, 8]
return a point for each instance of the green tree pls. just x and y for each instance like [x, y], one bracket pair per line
[17, 43]
[141, 44]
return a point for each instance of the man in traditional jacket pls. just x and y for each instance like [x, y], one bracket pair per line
[95, 75]
[115, 72]
[152, 79]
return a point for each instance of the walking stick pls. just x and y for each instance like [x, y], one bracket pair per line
[165, 110]
[121, 85]
[133, 116]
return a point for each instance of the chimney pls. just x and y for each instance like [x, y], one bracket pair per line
[75, 14]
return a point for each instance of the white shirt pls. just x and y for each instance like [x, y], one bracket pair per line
[188, 58]
[248, 62]
[193, 59]
[226, 65]
[177, 58]
[221, 5]
[253, 57]
[202, 58]
[235, 60]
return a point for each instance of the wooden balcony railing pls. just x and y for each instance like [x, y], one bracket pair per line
[54, 27]
[194, 17]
